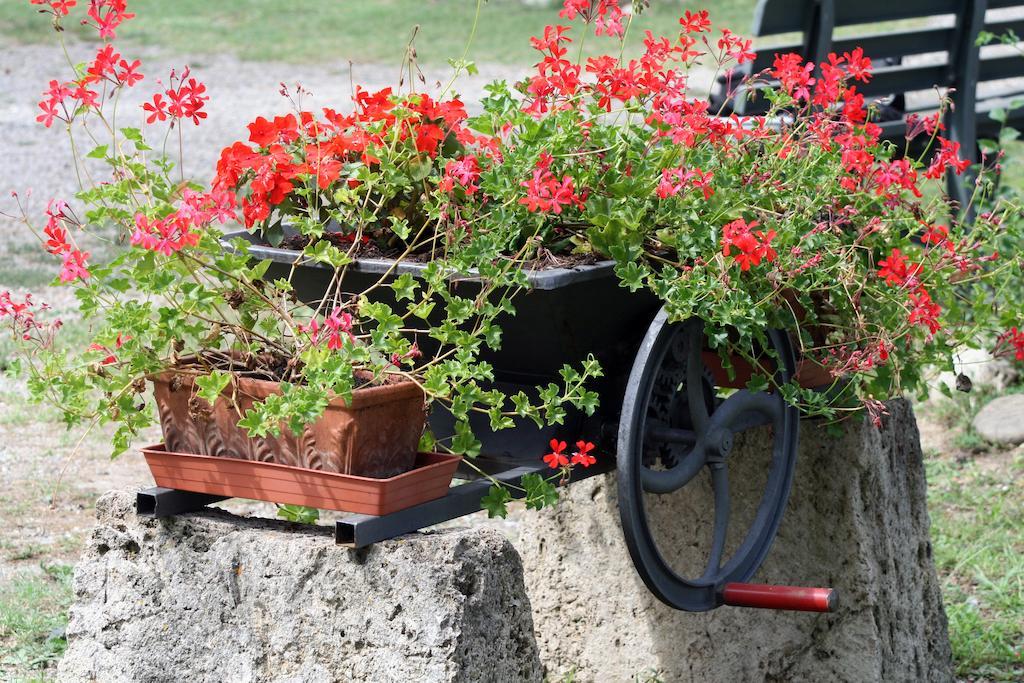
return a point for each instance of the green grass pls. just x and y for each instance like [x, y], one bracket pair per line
[33, 613]
[340, 30]
[977, 512]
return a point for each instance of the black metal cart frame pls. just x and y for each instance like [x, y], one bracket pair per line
[660, 414]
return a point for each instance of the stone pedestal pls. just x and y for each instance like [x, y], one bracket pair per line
[856, 522]
[213, 597]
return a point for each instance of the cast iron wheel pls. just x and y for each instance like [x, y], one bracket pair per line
[661, 451]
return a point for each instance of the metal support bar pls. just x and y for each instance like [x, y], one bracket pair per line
[779, 597]
[470, 468]
[358, 531]
[162, 502]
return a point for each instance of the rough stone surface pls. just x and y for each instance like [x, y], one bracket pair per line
[213, 597]
[1002, 420]
[856, 521]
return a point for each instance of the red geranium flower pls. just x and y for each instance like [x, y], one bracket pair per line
[556, 458]
[582, 455]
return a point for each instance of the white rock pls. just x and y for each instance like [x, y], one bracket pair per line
[982, 369]
[1002, 420]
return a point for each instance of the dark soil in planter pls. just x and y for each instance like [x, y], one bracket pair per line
[365, 250]
[267, 366]
[372, 250]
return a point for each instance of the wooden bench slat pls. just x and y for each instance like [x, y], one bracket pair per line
[894, 79]
[994, 68]
[786, 16]
[1004, 4]
[901, 79]
[1003, 25]
[876, 45]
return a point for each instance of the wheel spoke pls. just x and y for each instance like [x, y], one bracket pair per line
[720, 484]
[695, 376]
[673, 479]
[670, 435]
[746, 410]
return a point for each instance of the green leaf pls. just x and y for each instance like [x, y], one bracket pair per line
[400, 226]
[420, 167]
[274, 234]
[757, 383]
[468, 65]
[323, 251]
[428, 442]
[496, 501]
[253, 423]
[540, 493]
[464, 441]
[99, 152]
[298, 513]
[404, 286]
[135, 135]
[211, 386]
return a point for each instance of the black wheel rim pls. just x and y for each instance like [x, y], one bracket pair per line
[705, 444]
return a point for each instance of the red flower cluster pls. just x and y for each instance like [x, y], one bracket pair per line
[291, 149]
[185, 100]
[948, 157]
[924, 311]
[753, 247]
[58, 8]
[464, 171]
[59, 243]
[557, 79]
[899, 271]
[674, 180]
[111, 357]
[106, 16]
[178, 230]
[736, 48]
[606, 15]
[337, 326]
[1009, 343]
[695, 22]
[546, 193]
[412, 353]
[846, 361]
[557, 458]
[876, 411]
[21, 316]
[61, 101]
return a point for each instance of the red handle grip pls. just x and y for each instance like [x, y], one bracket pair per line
[779, 597]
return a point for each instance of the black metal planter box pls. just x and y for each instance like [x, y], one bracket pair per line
[569, 314]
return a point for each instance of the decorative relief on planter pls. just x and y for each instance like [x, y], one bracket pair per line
[374, 436]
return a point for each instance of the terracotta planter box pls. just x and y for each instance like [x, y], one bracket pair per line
[809, 374]
[428, 480]
[375, 435]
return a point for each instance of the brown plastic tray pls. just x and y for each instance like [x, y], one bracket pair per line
[235, 478]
